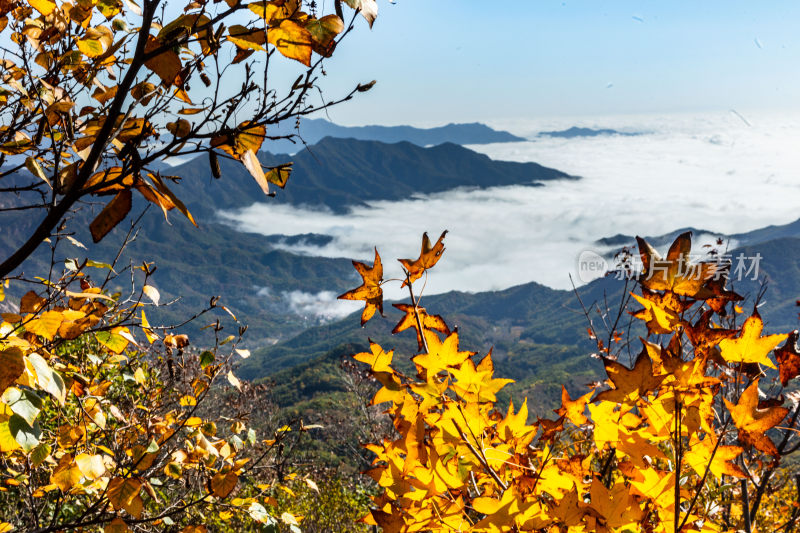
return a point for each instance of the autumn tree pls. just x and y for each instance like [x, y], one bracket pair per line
[95, 94]
[109, 422]
[690, 433]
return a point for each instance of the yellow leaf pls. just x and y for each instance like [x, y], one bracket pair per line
[66, 474]
[280, 175]
[574, 409]
[112, 340]
[164, 190]
[139, 376]
[379, 360]
[36, 169]
[7, 441]
[428, 257]
[246, 38]
[45, 7]
[45, 325]
[151, 337]
[675, 273]
[91, 466]
[659, 319]
[188, 401]
[409, 320]
[193, 422]
[699, 453]
[292, 40]
[441, 355]
[750, 346]
[475, 385]
[48, 380]
[93, 410]
[90, 47]
[628, 385]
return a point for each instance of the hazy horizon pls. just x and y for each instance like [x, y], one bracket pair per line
[457, 61]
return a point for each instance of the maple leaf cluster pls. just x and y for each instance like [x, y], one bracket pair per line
[671, 442]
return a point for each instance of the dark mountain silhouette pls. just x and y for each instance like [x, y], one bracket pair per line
[341, 173]
[575, 131]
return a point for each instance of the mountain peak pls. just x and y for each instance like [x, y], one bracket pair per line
[341, 173]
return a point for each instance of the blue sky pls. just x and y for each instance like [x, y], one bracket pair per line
[439, 61]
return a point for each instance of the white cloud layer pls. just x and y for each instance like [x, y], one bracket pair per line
[322, 305]
[712, 172]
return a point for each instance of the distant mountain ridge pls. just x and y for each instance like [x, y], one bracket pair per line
[748, 238]
[575, 131]
[343, 173]
[313, 130]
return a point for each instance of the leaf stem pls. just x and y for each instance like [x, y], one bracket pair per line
[416, 313]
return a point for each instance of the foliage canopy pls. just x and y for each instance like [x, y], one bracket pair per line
[95, 94]
[688, 436]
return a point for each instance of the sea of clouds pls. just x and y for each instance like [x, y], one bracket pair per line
[725, 172]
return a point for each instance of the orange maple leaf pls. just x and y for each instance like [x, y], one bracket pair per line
[409, 320]
[573, 409]
[628, 385]
[658, 316]
[370, 289]
[788, 359]
[428, 257]
[675, 273]
[753, 422]
[721, 295]
[703, 335]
